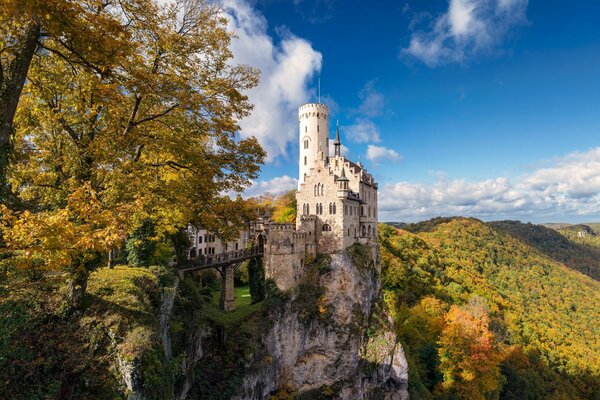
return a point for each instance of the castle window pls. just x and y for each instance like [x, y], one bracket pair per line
[306, 144]
[317, 128]
[364, 231]
[330, 208]
[304, 160]
[306, 129]
[348, 231]
[333, 208]
[322, 190]
[308, 209]
[326, 228]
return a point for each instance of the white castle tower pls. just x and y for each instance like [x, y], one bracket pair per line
[314, 136]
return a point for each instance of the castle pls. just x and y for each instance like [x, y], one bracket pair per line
[336, 203]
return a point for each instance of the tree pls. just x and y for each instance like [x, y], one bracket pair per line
[84, 33]
[285, 208]
[140, 244]
[469, 359]
[153, 139]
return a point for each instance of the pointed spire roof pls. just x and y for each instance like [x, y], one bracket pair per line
[343, 176]
[337, 141]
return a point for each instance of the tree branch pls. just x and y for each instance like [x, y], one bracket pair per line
[155, 116]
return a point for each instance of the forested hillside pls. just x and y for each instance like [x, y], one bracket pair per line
[483, 313]
[563, 246]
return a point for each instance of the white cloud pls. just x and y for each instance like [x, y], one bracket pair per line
[467, 28]
[569, 187]
[362, 131]
[286, 69]
[372, 101]
[275, 186]
[380, 153]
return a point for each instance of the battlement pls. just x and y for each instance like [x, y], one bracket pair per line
[312, 106]
[282, 227]
[306, 218]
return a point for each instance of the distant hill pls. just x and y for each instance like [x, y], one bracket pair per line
[578, 256]
[595, 226]
[396, 224]
[508, 279]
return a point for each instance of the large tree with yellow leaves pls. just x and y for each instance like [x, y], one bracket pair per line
[132, 127]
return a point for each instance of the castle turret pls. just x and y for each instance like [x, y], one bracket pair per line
[314, 136]
[342, 185]
[337, 143]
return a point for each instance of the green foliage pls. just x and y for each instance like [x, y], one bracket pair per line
[241, 275]
[256, 279]
[47, 352]
[362, 257]
[539, 313]
[577, 253]
[141, 244]
[310, 301]
[284, 208]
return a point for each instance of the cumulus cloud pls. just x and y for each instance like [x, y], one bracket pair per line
[372, 101]
[362, 131]
[467, 28]
[568, 187]
[286, 68]
[275, 186]
[380, 153]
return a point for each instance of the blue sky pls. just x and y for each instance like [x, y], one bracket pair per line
[486, 108]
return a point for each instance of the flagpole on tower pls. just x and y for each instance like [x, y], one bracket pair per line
[319, 90]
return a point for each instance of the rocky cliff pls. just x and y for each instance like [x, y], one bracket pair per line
[331, 338]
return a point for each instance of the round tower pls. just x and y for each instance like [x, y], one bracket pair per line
[314, 136]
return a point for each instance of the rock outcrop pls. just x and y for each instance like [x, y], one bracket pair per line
[331, 339]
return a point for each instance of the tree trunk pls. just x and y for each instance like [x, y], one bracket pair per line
[77, 288]
[13, 78]
[110, 259]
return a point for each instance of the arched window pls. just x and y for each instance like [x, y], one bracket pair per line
[317, 128]
[306, 144]
[330, 208]
[326, 228]
[369, 230]
[333, 208]
[306, 129]
[364, 231]
[304, 160]
[315, 190]
[307, 209]
[322, 190]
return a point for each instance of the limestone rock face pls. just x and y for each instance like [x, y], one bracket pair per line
[331, 353]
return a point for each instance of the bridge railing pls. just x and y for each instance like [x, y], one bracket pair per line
[206, 261]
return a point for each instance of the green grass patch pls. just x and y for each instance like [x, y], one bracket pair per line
[243, 307]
